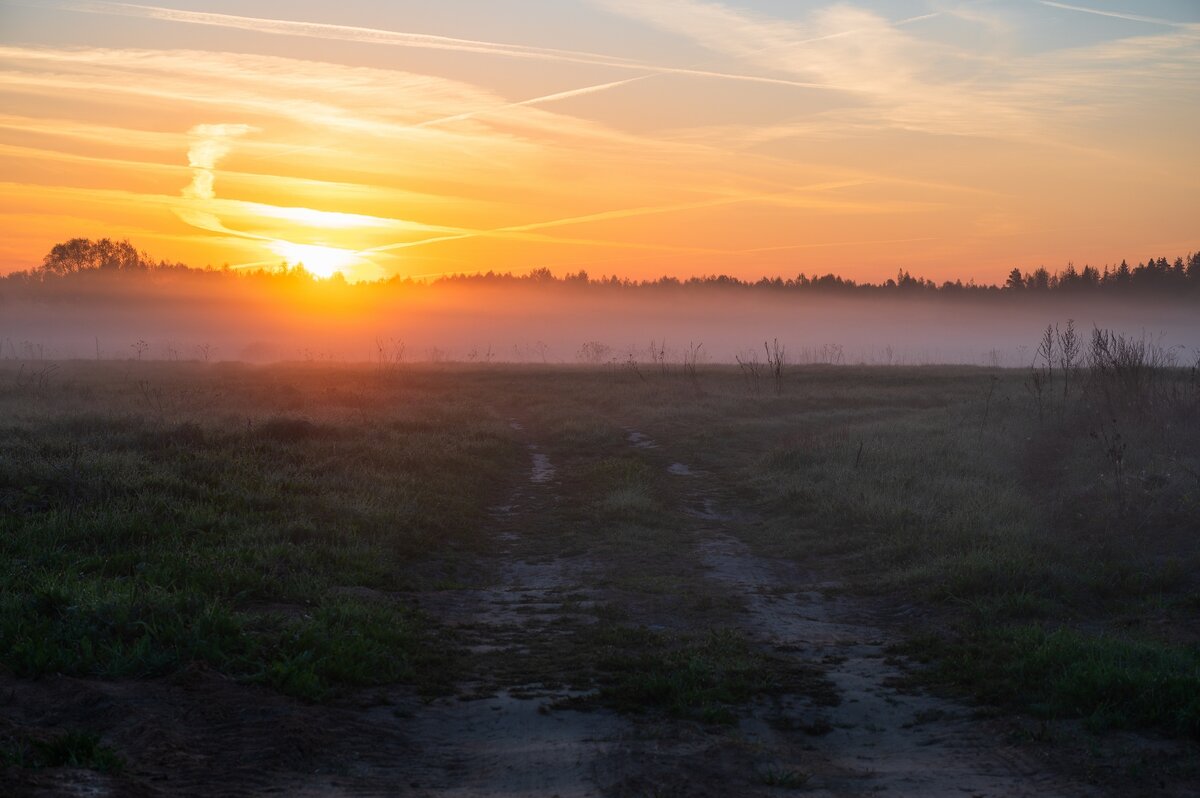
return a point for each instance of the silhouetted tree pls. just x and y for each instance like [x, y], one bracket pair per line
[1122, 275]
[1089, 277]
[83, 254]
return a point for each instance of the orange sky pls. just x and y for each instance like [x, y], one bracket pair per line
[954, 139]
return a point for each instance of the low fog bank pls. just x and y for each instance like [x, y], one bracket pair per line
[531, 324]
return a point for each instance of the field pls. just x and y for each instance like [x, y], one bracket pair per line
[440, 579]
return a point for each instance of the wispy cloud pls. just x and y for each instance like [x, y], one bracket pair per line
[900, 79]
[351, 33]
[210, 143]
[923, 127]
[311, 100]
[542, 100]
[627, 213]
[1115, 14]
[897, 79]
[321, 30]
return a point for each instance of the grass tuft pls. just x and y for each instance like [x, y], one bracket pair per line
[1107, 681]
[77, 749]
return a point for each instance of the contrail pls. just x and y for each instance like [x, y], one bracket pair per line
[323, 30]
[819, 245]
[592, 217]
[1115, 14]
[549, 98]
[621, 213]
[850, 32]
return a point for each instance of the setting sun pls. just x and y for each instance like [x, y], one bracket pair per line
[640, 139]
[319, 260]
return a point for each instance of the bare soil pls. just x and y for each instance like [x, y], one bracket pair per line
[516, 725]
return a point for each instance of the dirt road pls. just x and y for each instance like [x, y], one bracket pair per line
[525, 718]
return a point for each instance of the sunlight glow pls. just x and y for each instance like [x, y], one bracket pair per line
[315, 218]
[690, 137]
[319, 260]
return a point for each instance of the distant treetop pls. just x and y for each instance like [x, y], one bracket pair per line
[81, 256]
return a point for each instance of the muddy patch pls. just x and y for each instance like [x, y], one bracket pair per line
[200, 733]
[543, 470]
[511, 745]
[705, 508]
[526, 595]
[876, 738]
[640, 440]
[508, 730]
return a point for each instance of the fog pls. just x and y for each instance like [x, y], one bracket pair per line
[179, 317]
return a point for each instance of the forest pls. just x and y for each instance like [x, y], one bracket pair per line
[75, 261]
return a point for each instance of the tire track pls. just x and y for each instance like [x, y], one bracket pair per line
[876, 738]
[505, 734]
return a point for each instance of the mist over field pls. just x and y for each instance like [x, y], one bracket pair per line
[600, 398]
[559, 324]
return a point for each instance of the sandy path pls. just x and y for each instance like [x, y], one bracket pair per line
[878, 738]
[500, 737]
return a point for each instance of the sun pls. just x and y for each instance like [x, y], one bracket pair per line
[319, 260]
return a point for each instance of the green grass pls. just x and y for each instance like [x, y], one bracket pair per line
[136, 539]
[1108, 681]
[785, 779]
[703, 677]
[912, 484]
[157, 514]
[77, 749]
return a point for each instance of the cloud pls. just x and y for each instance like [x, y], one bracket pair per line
[895, 78]
[899, 79]
[210, 144]
[547, 98]
[783, 197]
[320, 30]
[1114, 14]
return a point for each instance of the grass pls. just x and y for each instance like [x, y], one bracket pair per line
[137, 539]
[77, 749]
[1059, 590]
[1111, 682]
[157, 514]
[952, 488]
[702, 678]
[785, 779]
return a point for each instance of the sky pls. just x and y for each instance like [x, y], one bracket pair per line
[641, 138]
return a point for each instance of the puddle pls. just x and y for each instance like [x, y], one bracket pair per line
[510, 744]
[641, 441]
[543, 469]
[708, 512]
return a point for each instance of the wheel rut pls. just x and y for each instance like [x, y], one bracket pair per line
[875, 737]
[507, 732]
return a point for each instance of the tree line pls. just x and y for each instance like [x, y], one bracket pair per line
[1154, 276]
